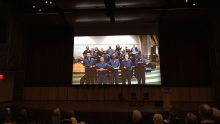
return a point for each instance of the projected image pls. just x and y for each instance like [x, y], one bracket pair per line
[116, 60]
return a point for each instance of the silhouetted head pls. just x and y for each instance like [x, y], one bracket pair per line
[136, 116]
[205, 111]
[191, 118]
[158, 118]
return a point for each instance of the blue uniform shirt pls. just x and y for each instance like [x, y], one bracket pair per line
[110, 51]
[106, 58]
[115, 63]
[142, 60]
[127, 64]
[102, 65]
[88, 62]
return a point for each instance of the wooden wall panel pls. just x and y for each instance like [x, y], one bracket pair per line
[44, 93]
[27, 94]
[82, 94]
[62, 93]
[99, 93]
[201, 94]
[53, 92]
[155, 94]
[180, 94]
[35, 93]
[72, 93]
[126, 93]
[112, 94]
[91, 94]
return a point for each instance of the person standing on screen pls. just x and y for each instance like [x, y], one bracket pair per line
[106, 58]
[89, 69]
[127, 69]
[134, 53]
[118, 48]
[102, 71]
[115, 64]
[86, 51]
[140, 64]
[110, 51]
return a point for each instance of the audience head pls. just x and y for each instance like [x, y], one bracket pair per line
[205, 111]
[8, 110]
[56, 111]
[136, 116]
[216, 113]
[158, 118]
[191, 118]
[73, 120]
[82, 122]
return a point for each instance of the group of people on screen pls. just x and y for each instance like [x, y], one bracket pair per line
[103, 66]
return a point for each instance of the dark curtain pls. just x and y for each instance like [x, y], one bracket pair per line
[184, 52]
[49, 60]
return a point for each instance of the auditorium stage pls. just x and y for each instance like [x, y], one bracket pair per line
[111, 106]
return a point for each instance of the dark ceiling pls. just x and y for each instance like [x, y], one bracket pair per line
[118, 11]
[77, 12]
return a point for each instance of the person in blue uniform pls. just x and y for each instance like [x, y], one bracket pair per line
[140, 65]
[102, 71]
[106, 58]
[89, 69]
[110, 51]
[86, 51]
[127, 69]
[115, 64]
[134, 53]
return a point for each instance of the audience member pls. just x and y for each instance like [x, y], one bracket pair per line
[216, 114]
[158, 118]
[22, 117]
[137, 117]
[56, 116]
[205, 114]
[191, 118]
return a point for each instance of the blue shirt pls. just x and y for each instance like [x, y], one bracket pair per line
[127, 64]
[110, 51]
[106, 58]
[141, 60]
[87, 62]
[115, 63]
[102, 65]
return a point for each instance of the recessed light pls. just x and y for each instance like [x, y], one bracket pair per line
[194, 4]
[33, 6]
